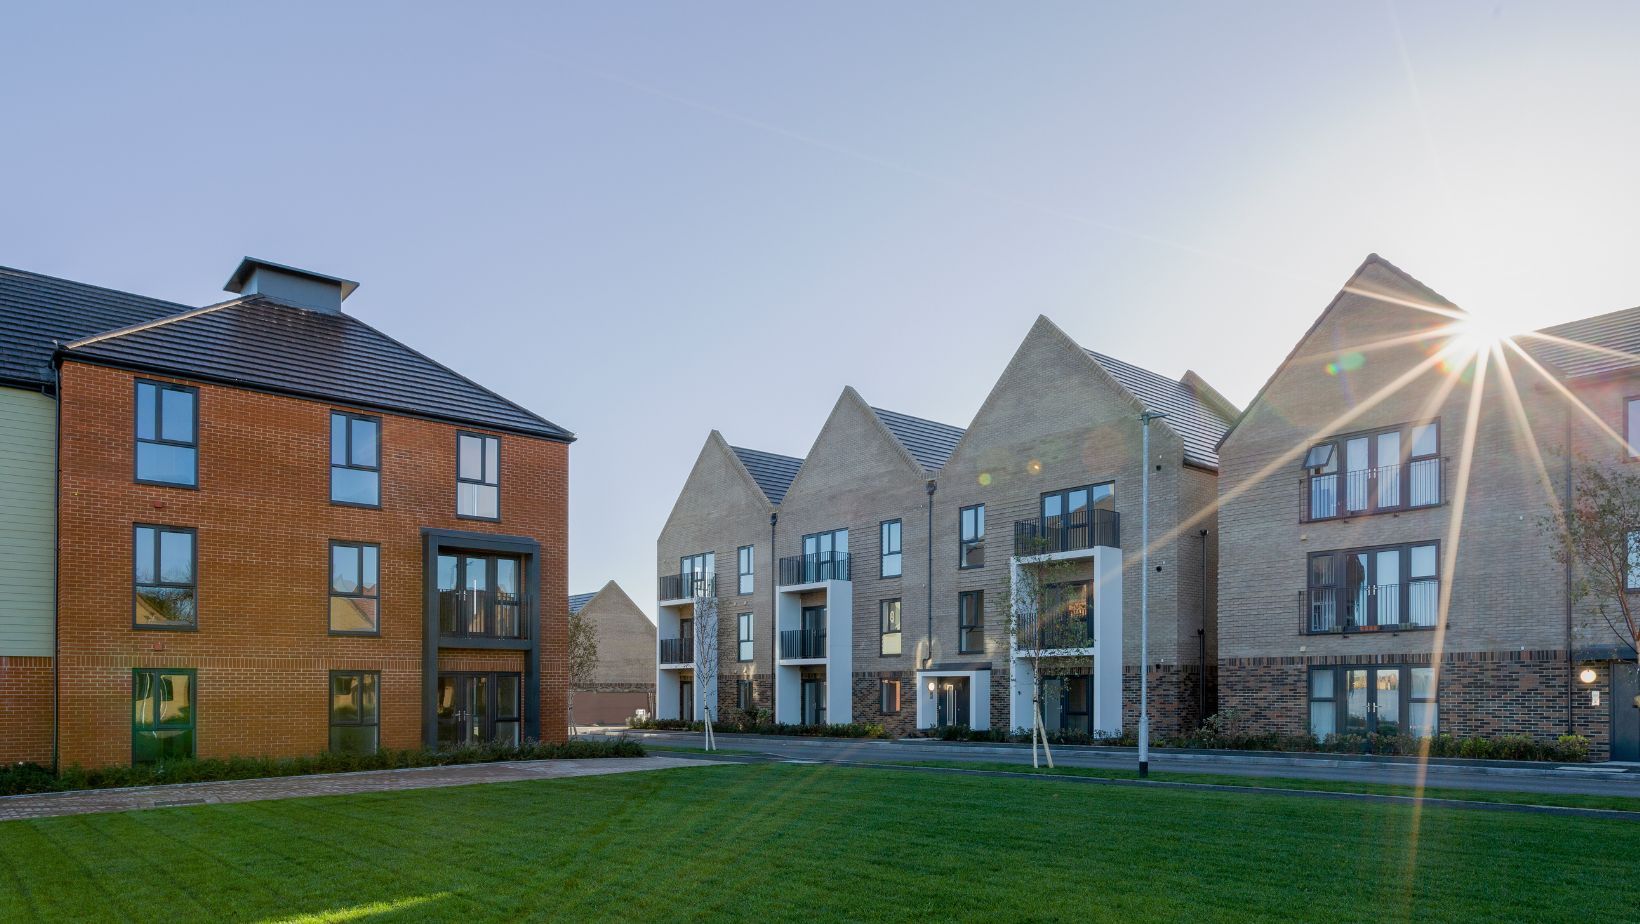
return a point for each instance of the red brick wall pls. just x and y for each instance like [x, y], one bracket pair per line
[264, 521]
[25, 710]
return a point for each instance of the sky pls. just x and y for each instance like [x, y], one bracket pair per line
[645, 221]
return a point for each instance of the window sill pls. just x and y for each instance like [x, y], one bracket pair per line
[1395, 629]
[156, 627]
[168, 484]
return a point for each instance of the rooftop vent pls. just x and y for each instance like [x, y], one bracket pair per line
[299, 287]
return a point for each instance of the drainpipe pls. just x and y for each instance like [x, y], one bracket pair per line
[1571, 666]
[56, 582]
[1201, 633]
[928, 653]
[774, 614]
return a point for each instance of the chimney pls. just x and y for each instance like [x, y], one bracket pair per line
[299, 287]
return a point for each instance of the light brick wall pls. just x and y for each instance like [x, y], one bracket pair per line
[626, 642]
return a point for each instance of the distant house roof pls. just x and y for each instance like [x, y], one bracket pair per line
[773, 473]
[928, 441]
[257, 342]
[1612, 345]
[577, 601]
[39, 312]
[1195, 422]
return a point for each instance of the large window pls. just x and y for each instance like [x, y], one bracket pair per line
[162, 714]
[1381, 700]
[164, 572]
[1633, 580]
[695, 574]
[825, 557]
[354, 712]
[1067, 521]
[479, 595]
[743, 636]
[1631, 419]
[478, 476]
[747, 567]
[971, 545]
[744, 697]
[890, 564]
[1067, 620]
[355, 595]
[1390, 587]
[167, 434]
[889, 613]
[1390, 469]
[355, 460]
[889, 697]
[971, 622]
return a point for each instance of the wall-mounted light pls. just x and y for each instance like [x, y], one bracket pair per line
[930, 688]
[1588, 675]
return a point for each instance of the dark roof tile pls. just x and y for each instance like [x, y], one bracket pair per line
[773, 473]
[1199, 427]
[928, 441]
[1611, 343]
[578, 601]
[39, 312]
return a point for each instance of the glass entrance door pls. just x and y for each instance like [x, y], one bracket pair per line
[814, 702]
[1372, 702]
[474, 708]
[952, 701]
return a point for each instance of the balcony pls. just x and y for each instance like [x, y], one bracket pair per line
[480, 614]
[812, 569]
[1072, 532]
[677, 651]
[802, 644]
[686, 586]
[1388, 488]
[1374, 607]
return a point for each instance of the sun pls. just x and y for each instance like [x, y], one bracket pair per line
[1473, 335]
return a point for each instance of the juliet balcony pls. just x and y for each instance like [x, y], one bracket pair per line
[1385, 489]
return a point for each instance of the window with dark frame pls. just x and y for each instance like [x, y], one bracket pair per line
[1353, 590]
[891, 563]
[355, 459]
[355, 593]
[478, 476]
[167, 425]
[162, 714]
[747, 569]
[1382, 699]
[889, 697]
[164, 577]
[1632, 581]
[1391, 468]
[971, 622]
[889, 613]
[743, 636]
[971, 544]
[825, 556]
[480, 595]
[1631, 426]
[355, 712]
[743, 695]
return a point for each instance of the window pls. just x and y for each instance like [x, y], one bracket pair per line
[354, 712]
[971, 622]
[743, 695]
[1390, 469]
[889, 696]
[825, 557]
[162, 714]
[1632, 424]
[696, 572]
[163, 569]
[1067, 521]
[889, 612]
[743, 636]
[747, 561]
[1633, 580]
[478, 477]
[1067, 620]
[1358, 590]
[354, 593]
[1381, 700]
[971, 548]
[479, 595]
[890, 563]
[167, 434]
[355, 460]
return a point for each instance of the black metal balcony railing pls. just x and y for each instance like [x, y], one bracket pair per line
[803, 643]
[480, 614]
[1404, 486]
[1084, 529]
[1374, 607]
[687, 586]
[1059, 633]
[809, 569]
[677, 650]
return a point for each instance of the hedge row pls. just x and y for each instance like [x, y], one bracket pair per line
[849, 730]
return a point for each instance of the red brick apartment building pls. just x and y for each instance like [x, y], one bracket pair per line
[278, 532]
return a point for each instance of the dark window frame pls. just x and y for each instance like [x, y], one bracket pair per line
[193, 570]
[745, 695]
[1631, 573]
[968, 547]
[330, 694]
[484, 443]
[970, 621]
[745, 637]
[492, 580]
[159, 428]
[1406, 580]
[330, 585]
[883, 688]
[347, 453]
[1340, 697]
[883, 550]
[746, 570]
[884, 631]
[1404, 463]
[193, 707]
[1632, 449]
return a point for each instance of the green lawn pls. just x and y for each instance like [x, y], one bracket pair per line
[813, 843]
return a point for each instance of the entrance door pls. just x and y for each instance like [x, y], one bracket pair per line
[1625, 714]
[1372, 701]
[478, 708]
[952, 701]
[814, 702]
[686, 700]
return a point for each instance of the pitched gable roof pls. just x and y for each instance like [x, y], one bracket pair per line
[1198, 424]
[39, 312]
[258, 342]
[1614, 337]
[773, 473]
[578, 602]
[929, 442]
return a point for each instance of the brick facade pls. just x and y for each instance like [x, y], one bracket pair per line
[25, 693]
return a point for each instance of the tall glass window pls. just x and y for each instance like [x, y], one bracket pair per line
[971, 546]
[167, 434]
[891, 553]
[162, 714]
[478, 476]
[743, 636]
[354, 592]
[747, 561]
[971, 622]
[889, 614]
[355, 459]
[354, 712]
[163, 569]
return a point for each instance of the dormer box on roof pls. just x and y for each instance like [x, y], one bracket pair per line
[299, 287]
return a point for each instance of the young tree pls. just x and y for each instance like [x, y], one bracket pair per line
[1599, 537]
[1048, 624]
[706, 654]
[583, 657]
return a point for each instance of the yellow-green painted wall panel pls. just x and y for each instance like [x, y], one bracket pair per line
[28, 475]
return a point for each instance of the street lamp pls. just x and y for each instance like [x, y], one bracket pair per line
[1144, 599]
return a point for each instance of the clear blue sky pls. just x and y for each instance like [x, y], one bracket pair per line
[647, 221]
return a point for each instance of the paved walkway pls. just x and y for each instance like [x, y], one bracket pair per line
[44, 805]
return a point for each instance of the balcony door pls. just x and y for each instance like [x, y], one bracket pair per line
[686, 700]
[480, 595]
[476, 708]
[824, 555]
[813, 702]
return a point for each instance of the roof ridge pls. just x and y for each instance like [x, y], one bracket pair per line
[89, 285]
[149, 325]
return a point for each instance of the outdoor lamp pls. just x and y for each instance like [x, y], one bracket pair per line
[930, 688]
[1588, 675]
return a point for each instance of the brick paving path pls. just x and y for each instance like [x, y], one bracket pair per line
[44, 805]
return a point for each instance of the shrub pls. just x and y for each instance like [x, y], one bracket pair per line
[757, 727]
[29, 778]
